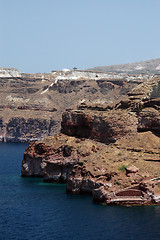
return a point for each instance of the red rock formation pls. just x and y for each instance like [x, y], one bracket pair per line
[52, 163]
[106, 127]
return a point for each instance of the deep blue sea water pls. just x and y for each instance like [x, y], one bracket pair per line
[31, 209]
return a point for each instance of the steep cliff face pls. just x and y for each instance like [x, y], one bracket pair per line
[105, 127]
[2, 129]
[19, 129]
[54, 158]
[123, 171]
[107, 124]
[40, 99]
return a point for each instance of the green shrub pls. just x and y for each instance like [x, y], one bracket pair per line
[122, 168]
[82, 162]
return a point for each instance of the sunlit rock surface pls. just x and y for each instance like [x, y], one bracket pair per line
[110, 151]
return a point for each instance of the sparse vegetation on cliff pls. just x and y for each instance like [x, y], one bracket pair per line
[120, 172]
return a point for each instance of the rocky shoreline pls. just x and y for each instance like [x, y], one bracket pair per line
[111, 152]
[104, 171]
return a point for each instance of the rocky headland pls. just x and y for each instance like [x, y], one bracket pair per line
[110, 150]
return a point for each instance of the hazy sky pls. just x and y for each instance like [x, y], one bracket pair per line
[43, 35]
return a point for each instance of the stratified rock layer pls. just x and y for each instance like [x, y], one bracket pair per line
[32, 104]
[105, 127]
[126, 170]
[138, 111]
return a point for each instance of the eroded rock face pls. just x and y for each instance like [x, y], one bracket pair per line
[55, 158]
[24, 130]
[123, 171]
[140, 111]
[105, 87]
[100, 195]
[81, 180]
[68, 86]
[149, 120]
[33, 161]
[119, 173]
[105, 127]
[51, 163]
[106, 189]
[32, 104]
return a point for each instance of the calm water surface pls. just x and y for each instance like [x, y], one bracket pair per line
[31, 209]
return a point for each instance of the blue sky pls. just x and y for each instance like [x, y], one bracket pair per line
[43, 35]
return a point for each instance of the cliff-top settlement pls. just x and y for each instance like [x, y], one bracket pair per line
[110, 150]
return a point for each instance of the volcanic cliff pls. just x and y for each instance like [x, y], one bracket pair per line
[31, 105]
[108, 150]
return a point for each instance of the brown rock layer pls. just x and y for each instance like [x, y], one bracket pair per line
[105, 127]
[44, 97]
[126, 171]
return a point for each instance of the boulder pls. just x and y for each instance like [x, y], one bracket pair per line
[131, 169]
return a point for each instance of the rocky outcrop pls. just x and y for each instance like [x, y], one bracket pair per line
[121, 166]
[106, 127]
[121, 173]
[71, 86]
[149, 120]
[81, 180]
[54, 158]
[52, 163]
[105, 192]
[107, 188]
[107, 124]
[106, 86]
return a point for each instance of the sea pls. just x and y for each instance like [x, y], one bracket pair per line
[33, 210]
